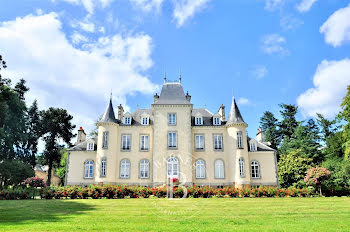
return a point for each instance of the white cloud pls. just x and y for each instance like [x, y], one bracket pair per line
[89, 5]
[330, 82]
[274, 43]
[289, 22]
[337, 27]
[272, 5]
[186, 9]
[243, 101]
[259, 71]
[148, 5]
[78, 38]
[87, 26]
[305, 5]
[61, 75]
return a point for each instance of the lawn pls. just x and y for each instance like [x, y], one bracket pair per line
[231, 214]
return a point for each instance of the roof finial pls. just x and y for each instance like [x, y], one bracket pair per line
[111, 94]
[180, 78]
[164, 77]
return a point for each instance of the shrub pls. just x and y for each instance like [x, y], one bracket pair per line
[35, 182]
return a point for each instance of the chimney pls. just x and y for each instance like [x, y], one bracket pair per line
[120, 112]
[222, 112]
[81, 136]
[260, 136]
[156, 98]
[188, 97]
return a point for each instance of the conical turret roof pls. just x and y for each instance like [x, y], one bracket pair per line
[109, 116]
[234, 116]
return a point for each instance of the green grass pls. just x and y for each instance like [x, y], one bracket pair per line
[255, 214]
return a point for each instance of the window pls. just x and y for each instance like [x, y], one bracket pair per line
[239, 139]
[89, 169]
[255, 169]
[90, 146]
[200, 169]
[144, 121]
[219, 169]
[126, 142]
[105, 140]
[103, 167]
[127, 120]
[172, 142]
[241, 167]
[125, 168]
[199, 140]
[217, 121]
[252, 145]
[217, 142]
[173, 167]
[144, 143]
[199, 121]
[144, 169]
[172, 119]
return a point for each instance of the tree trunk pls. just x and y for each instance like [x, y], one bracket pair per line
[48, 182]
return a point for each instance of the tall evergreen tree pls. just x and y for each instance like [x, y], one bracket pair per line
[269, 124]
[345, 115]
[289, 123]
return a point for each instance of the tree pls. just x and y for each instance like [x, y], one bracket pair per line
[316, 177]
[14, 172]
[327, 127]
[56, 126]
[289, 123]
[61, 169]
[345, 115]
[269, 124]
[292, 168]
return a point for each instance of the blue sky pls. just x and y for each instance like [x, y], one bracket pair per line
[74, 52]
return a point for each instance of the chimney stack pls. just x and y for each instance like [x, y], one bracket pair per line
[222, 112]
[260, 136]
[81, 136]
[120, 112]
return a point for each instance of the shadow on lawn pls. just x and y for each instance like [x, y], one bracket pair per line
[32, 211]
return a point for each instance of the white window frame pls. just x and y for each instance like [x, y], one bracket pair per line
[241, 167]
[126, 142]
[173, 168]
[219, 169]
[144, 169]
[145, 121]
[105, 137]
[253, 145]
[198, 121]
[199, 141]
[125, 169]
[239, 139]
[218, 144]
[216, 121]
[90, 146]
[172, 119]
[255, 169]
[172, 139]
[144, 143]
[127, 120]
[103, 167]
[89, 169]
[200, 169]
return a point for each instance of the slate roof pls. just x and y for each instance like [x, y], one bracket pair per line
[207, 117]
[83, 145]
[260, 146]
[109, 116]
[136, 117]
[172, 94]
[234, 115]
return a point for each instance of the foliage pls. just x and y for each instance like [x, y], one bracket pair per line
[289, 123]
[339, 181]
[316, 176]
[14, 172]
[35, 182]
[292, 168]
[345, 115]
[15, 194]
[61, 169]
[269, 124]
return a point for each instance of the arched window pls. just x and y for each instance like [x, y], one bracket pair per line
[219, 169]
[144, 169]
[89, 169]
[200, 169]
[241, 167]
[125, 168]
[255, 169]
[173, 167]
[103, 167]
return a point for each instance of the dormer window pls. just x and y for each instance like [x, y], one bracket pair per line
[252, 145]
[199, 120]
[90, 146]
[127, 120]
[216, 121]
[144, 120]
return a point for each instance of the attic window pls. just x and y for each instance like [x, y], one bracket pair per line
[217, 121]
[90, 147]
[199, 120]
[144, 120]
[127, 120]
[252, 145]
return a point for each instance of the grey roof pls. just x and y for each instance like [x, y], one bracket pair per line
[173, 94]
[136, 117]
[83, 145]
[234, 116]
[260, 146]
[109, 116]
[207, 117]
